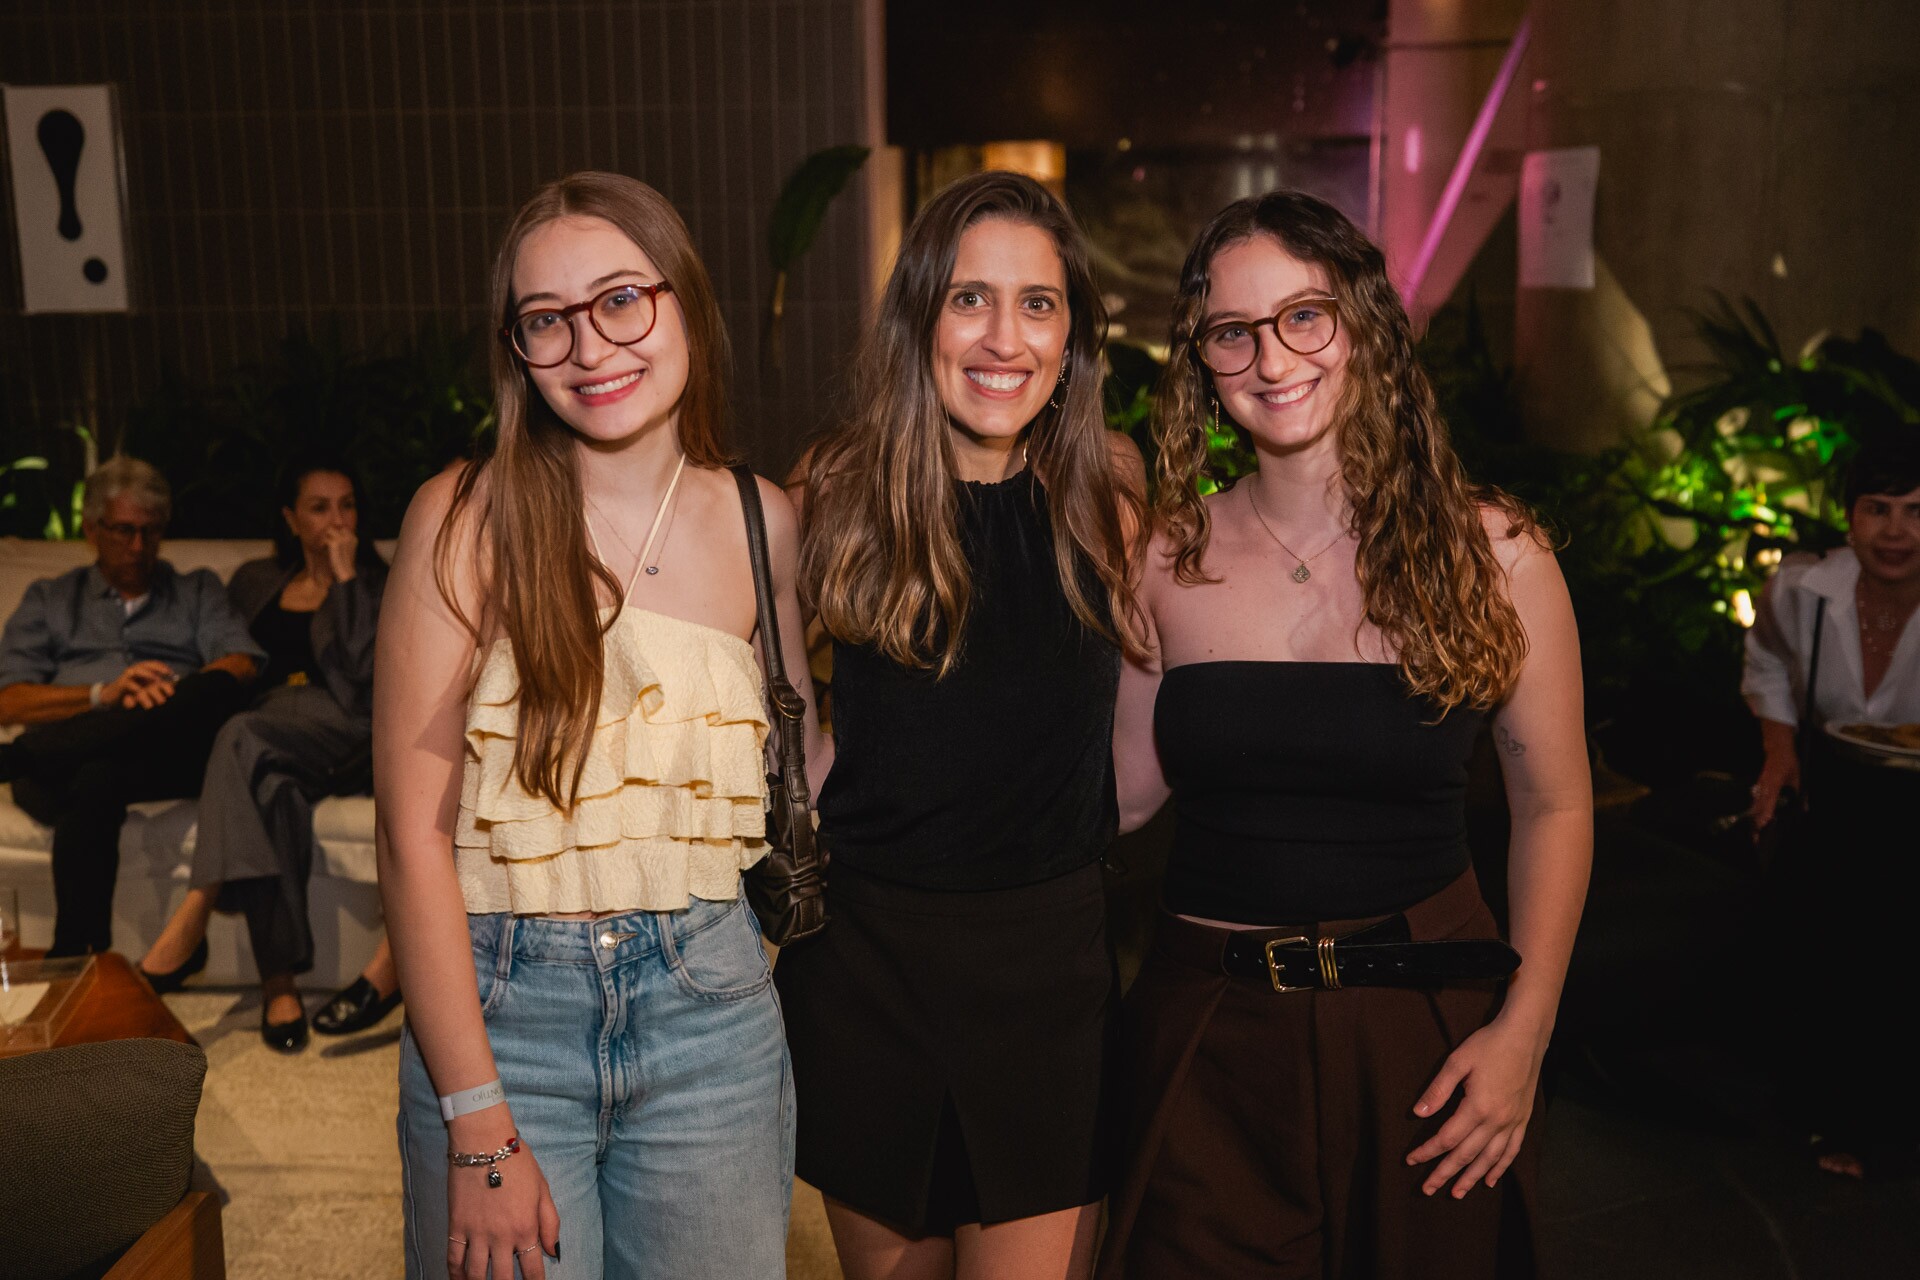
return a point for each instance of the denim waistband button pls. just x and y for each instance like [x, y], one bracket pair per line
[609, 941]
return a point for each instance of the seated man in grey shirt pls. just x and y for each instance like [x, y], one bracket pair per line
[124, 671]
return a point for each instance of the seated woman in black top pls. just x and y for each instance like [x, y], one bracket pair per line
[1330, 635]
[313, 608]
[967, 544]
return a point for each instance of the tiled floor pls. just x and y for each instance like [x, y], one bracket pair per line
[1662, 1159]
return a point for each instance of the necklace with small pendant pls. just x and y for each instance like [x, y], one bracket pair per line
[659, 515]
[1880, 627]
[1300, 571]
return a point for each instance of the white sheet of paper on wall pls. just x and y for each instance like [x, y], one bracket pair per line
[63, 149]
[1556, 217]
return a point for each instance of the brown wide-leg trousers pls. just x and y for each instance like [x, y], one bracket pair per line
[1268, 1131]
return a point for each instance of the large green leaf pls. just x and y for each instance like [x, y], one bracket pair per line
[803, 202]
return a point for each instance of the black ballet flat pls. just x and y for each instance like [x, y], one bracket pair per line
[355, 1007]
[174, 979]
[284, 1037]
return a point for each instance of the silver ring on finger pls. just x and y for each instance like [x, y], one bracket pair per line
[529, 1249]
[456, 1240]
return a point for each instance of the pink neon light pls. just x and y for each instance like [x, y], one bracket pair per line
[1469, 156]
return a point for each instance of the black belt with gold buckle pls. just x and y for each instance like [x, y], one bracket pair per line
[1379, 955]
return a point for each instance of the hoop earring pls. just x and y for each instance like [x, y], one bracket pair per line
[1059, 385]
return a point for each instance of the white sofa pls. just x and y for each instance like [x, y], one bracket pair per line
[156, 844]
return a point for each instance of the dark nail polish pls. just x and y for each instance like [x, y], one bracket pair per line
[556, 1248]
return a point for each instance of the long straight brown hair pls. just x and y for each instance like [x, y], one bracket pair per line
[1426, 566]
[539, 576]
[882, 561]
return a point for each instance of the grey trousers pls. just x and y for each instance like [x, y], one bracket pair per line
[269, 767]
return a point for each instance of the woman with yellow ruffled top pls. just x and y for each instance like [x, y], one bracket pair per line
[569, 738]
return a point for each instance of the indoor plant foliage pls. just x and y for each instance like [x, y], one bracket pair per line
[1747, 465]
[397, 415]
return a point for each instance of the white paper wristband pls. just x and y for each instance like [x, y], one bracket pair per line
[468, 1101]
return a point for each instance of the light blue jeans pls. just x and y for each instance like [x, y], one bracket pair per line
[644, 1059]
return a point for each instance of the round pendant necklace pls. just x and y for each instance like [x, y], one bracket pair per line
[1300, 571]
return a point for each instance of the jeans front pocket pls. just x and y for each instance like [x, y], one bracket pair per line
[491, 970]
[718, 956]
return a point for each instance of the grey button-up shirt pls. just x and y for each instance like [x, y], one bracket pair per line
[74, 629]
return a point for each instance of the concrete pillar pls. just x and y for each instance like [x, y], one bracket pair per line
[1761, 148]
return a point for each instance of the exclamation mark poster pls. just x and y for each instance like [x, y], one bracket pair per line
[63, 148]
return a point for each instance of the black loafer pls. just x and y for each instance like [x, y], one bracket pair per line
[174, 979]
[284, 1037]
[354, 1007]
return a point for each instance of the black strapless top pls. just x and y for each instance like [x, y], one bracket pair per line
[1307, 791]
[288, 639]
[1000, 773]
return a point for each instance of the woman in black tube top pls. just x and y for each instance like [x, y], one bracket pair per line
[968, 536]
[1310, 1095]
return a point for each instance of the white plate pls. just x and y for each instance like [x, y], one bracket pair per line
[1848, 733]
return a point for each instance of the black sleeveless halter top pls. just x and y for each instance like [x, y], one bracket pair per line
[1308, 791]
[1001, 773]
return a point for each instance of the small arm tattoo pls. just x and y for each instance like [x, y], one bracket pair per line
[1508, 743]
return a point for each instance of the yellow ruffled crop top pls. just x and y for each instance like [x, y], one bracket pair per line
[672, 804]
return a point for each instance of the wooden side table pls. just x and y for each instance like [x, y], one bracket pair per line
[118, 1005]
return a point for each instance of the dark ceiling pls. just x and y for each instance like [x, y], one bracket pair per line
[1165, 75]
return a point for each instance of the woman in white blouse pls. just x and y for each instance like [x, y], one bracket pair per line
[1833, 644]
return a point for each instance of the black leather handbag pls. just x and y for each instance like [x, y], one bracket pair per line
[787, 889]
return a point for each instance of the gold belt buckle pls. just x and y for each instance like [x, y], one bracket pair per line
[1273, 965]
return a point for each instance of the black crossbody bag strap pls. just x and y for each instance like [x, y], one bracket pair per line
[787, 887]
[789, 709]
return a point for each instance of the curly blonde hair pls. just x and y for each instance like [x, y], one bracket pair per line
[1427, 570]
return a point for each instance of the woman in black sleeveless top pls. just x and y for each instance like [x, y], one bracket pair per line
[968, 536]
[1311, 1096]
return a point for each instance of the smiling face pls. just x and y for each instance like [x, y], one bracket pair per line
[326, 503]
[1285, 401]
[605, 392]
[1886, 537]
[1003, 329]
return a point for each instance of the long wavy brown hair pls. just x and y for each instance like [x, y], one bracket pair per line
[1426, 566]
[523, 500]
[882, 561]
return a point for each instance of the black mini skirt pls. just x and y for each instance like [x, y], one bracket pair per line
[950, 1050]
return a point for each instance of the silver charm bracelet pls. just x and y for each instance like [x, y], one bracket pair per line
[491, 1159]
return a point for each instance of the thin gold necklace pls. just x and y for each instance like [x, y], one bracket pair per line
[659, 515]
[1300, 571]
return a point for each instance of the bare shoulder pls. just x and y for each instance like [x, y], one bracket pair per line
[1516, 540]
[450, 588]
[722, 517]
[783, 526]
[431, 502]
[432, 506]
